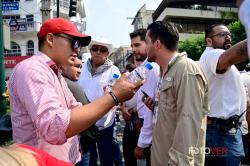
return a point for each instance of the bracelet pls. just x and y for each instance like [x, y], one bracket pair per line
[114, 98]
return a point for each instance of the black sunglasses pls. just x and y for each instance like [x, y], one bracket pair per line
[75, 43]
[100, 49]
[221, 34]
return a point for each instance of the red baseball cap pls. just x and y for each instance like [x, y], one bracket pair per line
[63, 26]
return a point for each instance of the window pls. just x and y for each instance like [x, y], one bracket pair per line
[15, 50]
[30, 48]
[10, 0]
[30, 18]
[64, 4]
[12, 17]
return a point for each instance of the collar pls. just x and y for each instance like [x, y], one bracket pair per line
[50, 63]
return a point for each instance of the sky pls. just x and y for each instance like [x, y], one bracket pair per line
[107, 19]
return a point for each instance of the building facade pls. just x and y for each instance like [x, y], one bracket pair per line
[192, 17]
[24, 18]
[142, 18]
[120, 57]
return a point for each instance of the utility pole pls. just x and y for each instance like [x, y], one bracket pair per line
[57, 8]
[46, 10]
[2, 69]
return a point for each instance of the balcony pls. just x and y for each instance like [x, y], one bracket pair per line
[216, 13]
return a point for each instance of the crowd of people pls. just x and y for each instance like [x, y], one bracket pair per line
[184, 113]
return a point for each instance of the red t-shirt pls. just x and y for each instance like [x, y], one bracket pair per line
[45, 159]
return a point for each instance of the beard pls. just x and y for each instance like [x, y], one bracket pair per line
[227, 45]
[139, 57]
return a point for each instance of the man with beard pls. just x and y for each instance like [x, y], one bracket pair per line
[142, 149]
[182, 103]
[227, 96]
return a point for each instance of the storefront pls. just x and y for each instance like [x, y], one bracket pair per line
[11, 61]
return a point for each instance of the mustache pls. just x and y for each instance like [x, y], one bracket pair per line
[228, 41]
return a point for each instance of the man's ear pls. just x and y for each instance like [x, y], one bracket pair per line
[50, 39]
[157, 44]
[209, 41]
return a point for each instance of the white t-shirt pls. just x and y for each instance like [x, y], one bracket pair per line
[94, 88]
[227, 95]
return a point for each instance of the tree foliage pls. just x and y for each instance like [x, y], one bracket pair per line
[193, 46]
[238, 31]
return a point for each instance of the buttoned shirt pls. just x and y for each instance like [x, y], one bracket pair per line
[150, 87]
[181, 124]
[41, 105]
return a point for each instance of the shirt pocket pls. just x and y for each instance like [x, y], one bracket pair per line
[167, 99]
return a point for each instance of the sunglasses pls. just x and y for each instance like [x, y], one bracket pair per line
[100, 49]
[75, 43]
[222, 34]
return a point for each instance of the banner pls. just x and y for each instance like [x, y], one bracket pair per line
[11, 61]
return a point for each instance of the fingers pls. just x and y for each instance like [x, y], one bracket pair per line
[124, 76]
[138, 84]
[149, 102]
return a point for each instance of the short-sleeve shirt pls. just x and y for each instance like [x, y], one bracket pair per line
[227, 95]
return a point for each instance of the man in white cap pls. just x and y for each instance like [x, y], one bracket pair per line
[94, 78]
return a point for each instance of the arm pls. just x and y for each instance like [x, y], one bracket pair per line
[52, 119]
[149, 102]
[235, 54]
[83, 117]
[125, 113]
[145, 137]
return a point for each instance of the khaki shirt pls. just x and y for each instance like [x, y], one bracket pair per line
[179, 133]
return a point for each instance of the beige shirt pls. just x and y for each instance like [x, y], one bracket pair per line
[179, 133]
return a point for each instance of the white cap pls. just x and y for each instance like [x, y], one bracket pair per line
[102, 42]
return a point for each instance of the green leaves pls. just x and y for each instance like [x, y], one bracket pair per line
[238, 31]
[194, 47]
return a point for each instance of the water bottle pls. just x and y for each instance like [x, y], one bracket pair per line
[139, 73]
[111, 82]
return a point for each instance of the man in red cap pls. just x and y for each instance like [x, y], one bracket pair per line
[44, 112]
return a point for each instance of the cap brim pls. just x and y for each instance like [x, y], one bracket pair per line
[84, 39]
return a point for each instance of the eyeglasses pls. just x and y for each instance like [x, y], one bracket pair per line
[75, 44]
[222, 34]
[100, 49]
